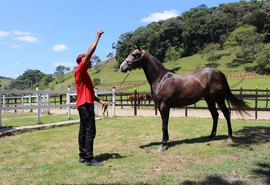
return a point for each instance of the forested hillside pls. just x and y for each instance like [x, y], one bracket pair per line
[243, 24]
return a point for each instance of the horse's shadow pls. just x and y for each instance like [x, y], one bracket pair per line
[243, 137]
[213, 180]
[107, 156]
[252, 135]
[202, 139]
[263, 169]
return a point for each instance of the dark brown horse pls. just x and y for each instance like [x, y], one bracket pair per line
[170, 90]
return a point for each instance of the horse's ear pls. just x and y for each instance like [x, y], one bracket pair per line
[137, 46]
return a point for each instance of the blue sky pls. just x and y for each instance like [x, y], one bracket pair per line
[42, 34]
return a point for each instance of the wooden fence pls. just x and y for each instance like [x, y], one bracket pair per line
[258, 100]
[43, 100]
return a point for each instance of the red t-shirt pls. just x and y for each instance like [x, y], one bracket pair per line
[84, 85]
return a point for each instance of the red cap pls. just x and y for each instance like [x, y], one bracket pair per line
[79, 57]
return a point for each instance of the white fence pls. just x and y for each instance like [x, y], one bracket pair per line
[40, 100]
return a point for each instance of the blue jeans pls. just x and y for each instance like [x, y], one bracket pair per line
[87, 131]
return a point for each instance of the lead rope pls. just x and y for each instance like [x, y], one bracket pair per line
[105, 107]
[122, 82]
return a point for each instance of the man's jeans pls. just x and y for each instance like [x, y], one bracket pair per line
[87, 131]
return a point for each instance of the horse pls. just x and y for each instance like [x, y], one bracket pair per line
[170, 90]
[139, 99]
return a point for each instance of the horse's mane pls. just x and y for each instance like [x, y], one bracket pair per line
[160, 63]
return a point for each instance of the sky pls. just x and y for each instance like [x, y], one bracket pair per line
[43, 34]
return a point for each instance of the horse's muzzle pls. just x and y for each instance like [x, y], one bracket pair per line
[124, 67]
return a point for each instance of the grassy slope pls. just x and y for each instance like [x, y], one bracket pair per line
[108, 75]
[4, 82]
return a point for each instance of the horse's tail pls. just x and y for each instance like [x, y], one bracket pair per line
[237, 104]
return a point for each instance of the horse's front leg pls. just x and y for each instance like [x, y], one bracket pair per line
[165, 113]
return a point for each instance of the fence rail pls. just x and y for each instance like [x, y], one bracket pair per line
[42, 100]
[258, 100]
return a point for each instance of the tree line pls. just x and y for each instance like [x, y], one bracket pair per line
[243, 24]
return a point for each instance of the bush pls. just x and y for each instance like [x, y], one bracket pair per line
[96, 81]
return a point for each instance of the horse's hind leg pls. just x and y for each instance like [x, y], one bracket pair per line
[227, 115]
[213, 110]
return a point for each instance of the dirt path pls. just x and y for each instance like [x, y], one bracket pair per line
[128, 111]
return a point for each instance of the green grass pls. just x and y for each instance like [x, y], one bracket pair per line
[128, 148]
[28, 118]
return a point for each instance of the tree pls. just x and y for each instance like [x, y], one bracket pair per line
[173, 53]
[95, 59]
[27, 80]
[96, 81]
[110, 55]
[60, 71]
[262, 60]
[45, 81]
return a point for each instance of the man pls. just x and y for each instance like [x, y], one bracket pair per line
[85, 105]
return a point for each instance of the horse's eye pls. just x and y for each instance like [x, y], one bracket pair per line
[136, 55]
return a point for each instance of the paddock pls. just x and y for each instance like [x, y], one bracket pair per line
[127, 146]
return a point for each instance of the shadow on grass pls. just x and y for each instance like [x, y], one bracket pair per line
[252, 135]
[107, 156]
[263, 169]
[203, 139]
[213, 180]
[5, 131]
[245, 136]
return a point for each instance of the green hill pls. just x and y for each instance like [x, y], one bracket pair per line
[111, 77]
[4, 82]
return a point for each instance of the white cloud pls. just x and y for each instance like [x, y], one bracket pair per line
[16, 46]
[59, 47]
[66, 64]
[29, 39]
[21, 33]
[4, 33]
[154, 17]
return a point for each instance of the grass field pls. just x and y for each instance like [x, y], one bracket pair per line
[29, 118]
[128, 148]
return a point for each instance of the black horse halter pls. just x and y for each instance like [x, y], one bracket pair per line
[135, 63]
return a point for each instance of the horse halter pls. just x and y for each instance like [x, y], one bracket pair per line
[135, 62]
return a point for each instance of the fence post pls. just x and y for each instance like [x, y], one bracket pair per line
[30, 102]
[68, 102]
[4, 100]
[256, 104]
[135, 102]
[266, 104]
[48, 103]
[186, 113]
[113, 101]
[38, 104]
[156, 109]
[121, 100]
[22, 102]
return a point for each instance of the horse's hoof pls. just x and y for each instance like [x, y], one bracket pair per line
[162, 148]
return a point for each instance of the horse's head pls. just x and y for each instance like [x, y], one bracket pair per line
[133, 60]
